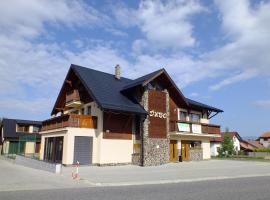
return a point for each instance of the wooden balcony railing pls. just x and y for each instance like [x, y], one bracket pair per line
[210, 128]
[70, 120]
[72, 96]
[194, 127]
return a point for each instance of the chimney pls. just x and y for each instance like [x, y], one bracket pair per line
[117, 72]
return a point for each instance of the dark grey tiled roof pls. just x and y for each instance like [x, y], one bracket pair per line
[141, 80]
[106, 90]
[202, 105]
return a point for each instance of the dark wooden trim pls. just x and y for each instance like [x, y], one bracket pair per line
[117, 136]
[69, 82]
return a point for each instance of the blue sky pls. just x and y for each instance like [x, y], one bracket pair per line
[216, 51]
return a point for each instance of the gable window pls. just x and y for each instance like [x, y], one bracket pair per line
[183, 115]
[88, 110]
[195, 117]
[82, 111]
[22, 128]
[35, 129]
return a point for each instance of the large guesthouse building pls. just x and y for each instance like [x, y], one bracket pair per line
[105, 119]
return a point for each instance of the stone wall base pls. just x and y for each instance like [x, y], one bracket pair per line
[136, 159]
[195, 154]
[156, 151]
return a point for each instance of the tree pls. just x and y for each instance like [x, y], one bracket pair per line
[227, 147]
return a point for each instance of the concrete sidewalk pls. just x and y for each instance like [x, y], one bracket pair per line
[16, 177]
[170, 173]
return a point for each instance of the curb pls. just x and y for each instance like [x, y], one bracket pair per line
[172, 181]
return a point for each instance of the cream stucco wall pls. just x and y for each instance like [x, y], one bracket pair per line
[31, 129]
[206, 149]
[5, 147]
[214, 146]
[116, 151]
[265, 143]
[29, 147]
[236, 144]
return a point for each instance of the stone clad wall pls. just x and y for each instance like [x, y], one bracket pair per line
[155, 151]
[195, 154]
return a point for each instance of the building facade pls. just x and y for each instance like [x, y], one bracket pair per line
[215, 143]
[20, 136]
[106, 119]
[264, 139]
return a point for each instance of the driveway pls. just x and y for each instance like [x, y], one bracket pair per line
[170, 173]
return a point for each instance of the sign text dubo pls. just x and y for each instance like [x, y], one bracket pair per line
[161, 115]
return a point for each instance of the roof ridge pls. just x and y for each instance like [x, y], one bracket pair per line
[22, 119]
[137, 80]
[79, 66]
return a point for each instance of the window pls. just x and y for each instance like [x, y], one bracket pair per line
[75, 112]
[82, 111]
[195, 117]
[183, 115]
[35, 129]
[23, 128]
[195, 144]
[88, 110]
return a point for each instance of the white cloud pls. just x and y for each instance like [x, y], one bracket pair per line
[168, 24]
[243, 56]
[233, 79]
[33, 106]
[40, 67]
[31, 72]
[27, 18]
[263, 103]
[248, 32]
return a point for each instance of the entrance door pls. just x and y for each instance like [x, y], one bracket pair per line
[173, 151]
[53, 149]
[185, 150]
[83, 147]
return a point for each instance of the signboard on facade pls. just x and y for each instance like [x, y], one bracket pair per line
[183, 127]
[154, 113]
[157, 114]
[196, 128]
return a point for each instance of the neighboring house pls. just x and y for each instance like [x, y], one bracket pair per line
[250, 145]
[20, 136]
[264, 139]
[103, 119]
[215, 143]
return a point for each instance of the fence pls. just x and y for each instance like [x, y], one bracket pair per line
[259, 154]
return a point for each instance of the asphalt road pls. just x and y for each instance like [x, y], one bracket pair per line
[257, 188]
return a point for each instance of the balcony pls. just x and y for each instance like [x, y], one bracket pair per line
[73, 99]
[193, 127]
[70, 120]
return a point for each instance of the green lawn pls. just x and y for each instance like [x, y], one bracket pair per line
[242, 158]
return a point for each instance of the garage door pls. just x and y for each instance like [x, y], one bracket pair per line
[83, 148]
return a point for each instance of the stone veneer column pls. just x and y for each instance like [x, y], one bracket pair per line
[154, 151]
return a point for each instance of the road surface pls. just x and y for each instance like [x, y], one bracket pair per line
[255, 188]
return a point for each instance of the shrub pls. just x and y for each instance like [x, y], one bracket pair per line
[262, 150]
[227, 147]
